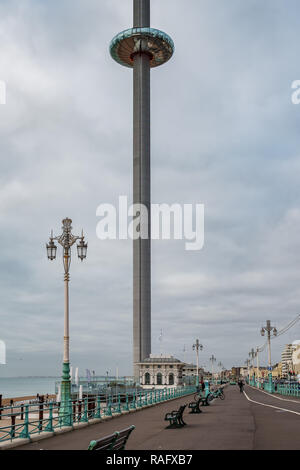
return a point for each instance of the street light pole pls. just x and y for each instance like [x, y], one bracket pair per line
[257, 367]
[220, 365]
[247, 362]
[66, 240]
[252, 356]
[196, 348]
[212, 360]
[268, 328]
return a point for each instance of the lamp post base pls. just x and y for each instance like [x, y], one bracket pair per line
[65, 411]
[270, 384]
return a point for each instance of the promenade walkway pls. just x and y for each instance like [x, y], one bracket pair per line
[248, 421]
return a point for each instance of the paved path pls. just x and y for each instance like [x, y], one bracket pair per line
[237, 423]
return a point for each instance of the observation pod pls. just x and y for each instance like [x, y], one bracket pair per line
[157, 44]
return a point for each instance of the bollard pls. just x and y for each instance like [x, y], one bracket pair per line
[22, 413]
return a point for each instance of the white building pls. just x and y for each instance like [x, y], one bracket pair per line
[159, 371]
[296, 356]
[287, 359]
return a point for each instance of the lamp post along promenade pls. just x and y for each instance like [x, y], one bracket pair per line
[141, 48]
[268, 328]
[66, 240]
[196, 347]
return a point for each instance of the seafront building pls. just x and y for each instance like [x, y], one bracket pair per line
[189, 373]
[287, 359]
[157, 371]
[296, 357]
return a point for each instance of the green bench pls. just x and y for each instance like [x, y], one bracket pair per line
[115, 441]
[194, 406]
[175, 418]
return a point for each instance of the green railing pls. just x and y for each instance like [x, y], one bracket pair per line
[288, 389]
[24, 421]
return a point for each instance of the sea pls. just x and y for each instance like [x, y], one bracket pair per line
[13, 387]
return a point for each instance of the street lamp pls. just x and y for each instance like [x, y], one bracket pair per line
[257, 366]
[268, 328]
[212, 359]
[66, 240]
[252, 355]
[247, 362]
[220, 365]
[196, 348]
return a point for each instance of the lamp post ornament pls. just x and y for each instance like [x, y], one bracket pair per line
[66, 240]
[268, 328]
[196, 348]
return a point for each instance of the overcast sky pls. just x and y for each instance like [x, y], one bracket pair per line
[224, 133]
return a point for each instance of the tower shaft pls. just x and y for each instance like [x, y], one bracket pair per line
[141, 13]
[141, 192]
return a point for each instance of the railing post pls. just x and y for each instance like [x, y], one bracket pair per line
[98, 413]
[70, 413]
[119, 404]
[126, 408]
[49, 427]
[84, 418]
[25, 433]
[108, 407]
[146, 398]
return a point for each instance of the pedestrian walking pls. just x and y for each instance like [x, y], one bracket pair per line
[241, 385]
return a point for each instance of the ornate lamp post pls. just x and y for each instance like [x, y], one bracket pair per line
[252, 355]
[212, 359]
[66, 240]
[196, 348]
[257, 367]
[247, 362]
[268, 328]
[220, 365]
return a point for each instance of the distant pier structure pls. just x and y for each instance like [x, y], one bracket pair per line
[141, 48]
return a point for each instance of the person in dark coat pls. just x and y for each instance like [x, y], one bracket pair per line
[241, 385]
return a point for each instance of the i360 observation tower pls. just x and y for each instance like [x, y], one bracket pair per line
[141, 48]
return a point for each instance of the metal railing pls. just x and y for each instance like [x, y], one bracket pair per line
[288, 389]
[25, 420]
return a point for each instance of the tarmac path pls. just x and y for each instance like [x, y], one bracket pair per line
[253, 420]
